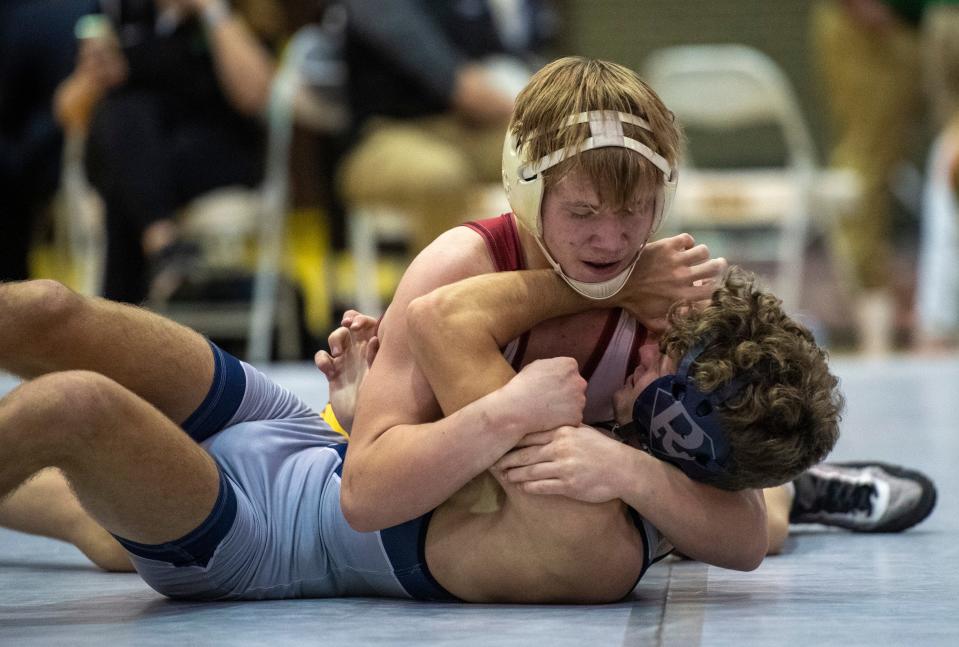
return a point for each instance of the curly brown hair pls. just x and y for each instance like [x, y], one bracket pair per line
[786, 418]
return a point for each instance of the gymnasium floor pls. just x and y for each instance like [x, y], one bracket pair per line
[829, 588]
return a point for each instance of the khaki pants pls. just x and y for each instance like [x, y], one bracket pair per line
[428, 168]
[873, 89]
[940, 61]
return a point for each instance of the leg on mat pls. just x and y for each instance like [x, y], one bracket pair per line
[45, 505]
[132, 468]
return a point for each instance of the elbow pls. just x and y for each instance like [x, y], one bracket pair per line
[753, 558]
[746, 540]
[747, 557]
[357, 513]
[756, 546]
[424, 309]
[424, 317]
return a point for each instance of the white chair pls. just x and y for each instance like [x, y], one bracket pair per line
[367, 226]
[79, 231]
[729, 87]
[310, 67]
[297, 95]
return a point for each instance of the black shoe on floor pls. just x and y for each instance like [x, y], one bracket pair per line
[865, 497]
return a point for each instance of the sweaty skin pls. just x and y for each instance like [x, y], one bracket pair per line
[473, 318]
[491, 542]
[405, 460]
[502, 542]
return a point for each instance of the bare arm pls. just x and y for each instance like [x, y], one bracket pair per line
[243, 65]
[727, 529]
[435, 64]
[465, 324]
[100, 66]
[401, 463]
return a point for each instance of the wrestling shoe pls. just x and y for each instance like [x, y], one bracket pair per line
[865, 497]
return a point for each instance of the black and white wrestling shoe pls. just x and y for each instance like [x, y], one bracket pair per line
[865, 497]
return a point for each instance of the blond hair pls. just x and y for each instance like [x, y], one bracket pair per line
[786, 418]
[572, 85]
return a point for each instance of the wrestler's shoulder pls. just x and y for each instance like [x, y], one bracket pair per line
[454, 255]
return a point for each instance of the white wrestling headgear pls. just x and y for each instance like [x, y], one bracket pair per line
[524, 184]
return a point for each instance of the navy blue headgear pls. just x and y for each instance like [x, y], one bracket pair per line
[680, 424]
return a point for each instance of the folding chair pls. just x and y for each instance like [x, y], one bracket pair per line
[724, 88]
[309, 76]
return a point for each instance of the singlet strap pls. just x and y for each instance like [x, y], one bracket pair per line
[502, 241]
[612, 320]
[639, 338]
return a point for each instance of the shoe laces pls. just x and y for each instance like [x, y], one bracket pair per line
[835, 495]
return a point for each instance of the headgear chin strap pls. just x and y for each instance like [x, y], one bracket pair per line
[601, 290]
[680, 424]
[524, 184]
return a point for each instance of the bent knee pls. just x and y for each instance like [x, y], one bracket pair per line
[404, 167]
[87, 392]
[60, 416]
[45, 301]
[80, 398]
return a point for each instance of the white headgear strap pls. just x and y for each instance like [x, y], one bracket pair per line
[606, 130]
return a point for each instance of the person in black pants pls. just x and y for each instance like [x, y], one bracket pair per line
[37, 49]
[183, 122]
